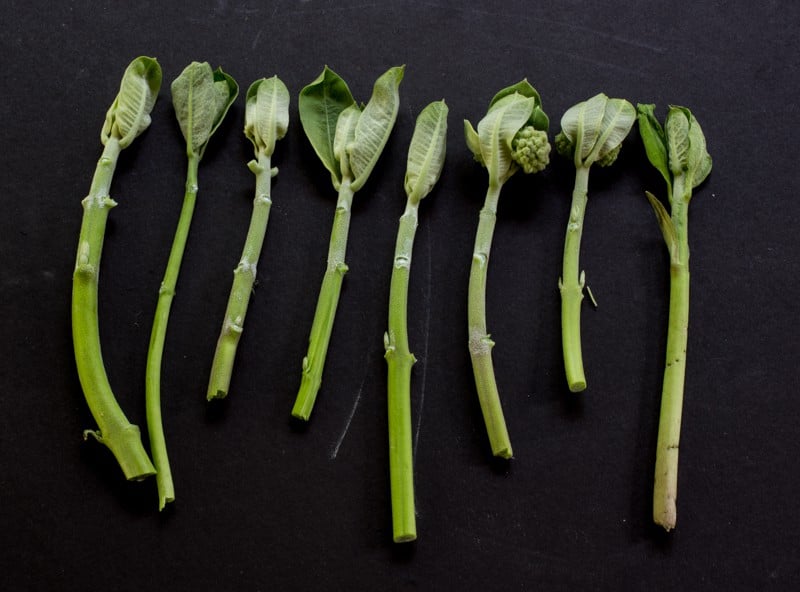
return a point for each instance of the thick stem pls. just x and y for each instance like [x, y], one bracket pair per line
[322, 327]
[243, 279]
[480, 344]
[572, 283]
[665, 490]
[166, 491]
[400, 360]
[115, 431]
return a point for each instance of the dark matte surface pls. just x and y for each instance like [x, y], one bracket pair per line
[264, 506]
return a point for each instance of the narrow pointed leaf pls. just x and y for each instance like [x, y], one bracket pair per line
[654, 140]
[664, 222]
[266, 116]
[320, 103]
[427, 151]
[129, 114]
[375, 125]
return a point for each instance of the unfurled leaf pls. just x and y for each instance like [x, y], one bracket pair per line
[266, 117]
[201, 98]
[375, 125]
[427, 151]
[320, 103]
[129, 114]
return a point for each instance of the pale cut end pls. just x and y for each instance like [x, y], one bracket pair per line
[577, 386]
[405, 537]
[667, 516]
[505, 453]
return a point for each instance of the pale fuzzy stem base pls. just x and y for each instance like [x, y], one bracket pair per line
[400, 360]
[244, 277]
[115, 431]
[571, 285]
[166, 293]
[480, 344]
[665, 491]
[322, 327]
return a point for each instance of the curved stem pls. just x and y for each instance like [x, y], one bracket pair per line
[399, 360]
[322, 327]
[244, 277]
[166, 491]
[480, 344]
[115, 431]
[571, 285]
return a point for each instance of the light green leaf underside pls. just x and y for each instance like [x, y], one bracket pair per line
[344, 136]
[498, 128]
[581, 124]
[375, 125]
[129, 114]
[699, 158]
[618, 119]
[266, 118]
[426, 152]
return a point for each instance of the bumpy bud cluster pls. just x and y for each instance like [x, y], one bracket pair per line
[530, 149]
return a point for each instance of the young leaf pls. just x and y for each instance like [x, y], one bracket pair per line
[320, 103]
[699, 158]
[473, 141]
[676, 130]
[345, 132]
[523, 87]
[618, 119]
[654, 140]
[129, 114]
[201, 98]
[375, 125]
[427, 151]
[581, 124]
[498, 128]
[266, 117]
[664, 223]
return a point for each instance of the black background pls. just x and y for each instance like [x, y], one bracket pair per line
[263, 506]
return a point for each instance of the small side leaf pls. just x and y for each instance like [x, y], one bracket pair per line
[375, 125]
[320, 103]
[664, 223]
[427, 151]
[655, 142]
[266, 116]
[129, 114]
[473, 141]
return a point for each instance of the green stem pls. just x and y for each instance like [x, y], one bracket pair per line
[665, 491]
[166, 490]
[399, 360]
[572, 283]
[480, 344]
[243, 279]
[115, 431]
[322, 327]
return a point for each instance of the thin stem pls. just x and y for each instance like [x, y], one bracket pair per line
[665, 490]
[243, 279]
[322, 327]
[166, 491]
[480, 344]
[572, 283]
[399, 360]
[115, 431]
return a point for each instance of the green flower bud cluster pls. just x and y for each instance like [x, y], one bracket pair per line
[530, 149]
